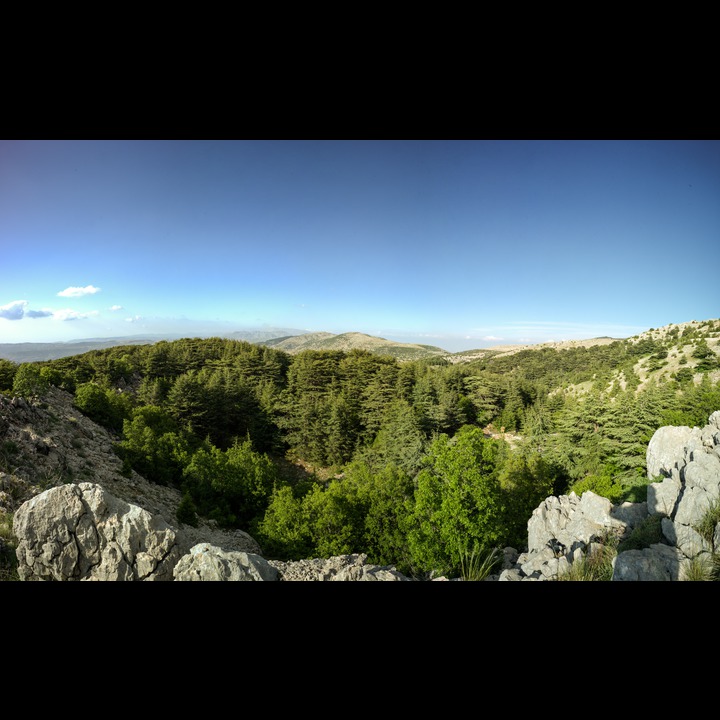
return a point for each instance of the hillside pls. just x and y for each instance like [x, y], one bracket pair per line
[37, 352]
[294, 341]
[355, 341]
[503, 350]
[287, 340]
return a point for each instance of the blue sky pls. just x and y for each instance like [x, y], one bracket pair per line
[458, 243]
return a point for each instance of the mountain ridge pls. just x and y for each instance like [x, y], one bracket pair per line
[355, 341]
[293, 340]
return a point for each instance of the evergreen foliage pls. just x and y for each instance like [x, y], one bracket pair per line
[104, 406]
[7, 375]
[230, 486]
[187, 511]
[28, 381]
[155, 446]
[459, 505]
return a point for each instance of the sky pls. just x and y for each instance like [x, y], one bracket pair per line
[462, 244]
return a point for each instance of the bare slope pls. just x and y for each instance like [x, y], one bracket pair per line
[499, 350]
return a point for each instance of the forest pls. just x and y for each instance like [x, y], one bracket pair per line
[419, 464]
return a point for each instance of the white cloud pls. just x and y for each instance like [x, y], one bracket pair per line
[136, 318]
[14, 310]
[79, 291]
[116, 307]
[17, 310]
[492, 337]
[45, 312]
[67, 315]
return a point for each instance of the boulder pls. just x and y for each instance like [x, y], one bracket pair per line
[568, 522]
[210, 563]
[81, 532]
[666, 450]
[658, 562]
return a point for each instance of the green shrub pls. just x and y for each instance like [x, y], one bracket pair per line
[233, 486]
[187, 512]
[706, 527]
[284, 530]
[29, 382]
[458, 502]
[647, 533]
[684, 375]
[8, 543]
[7, 374]
[635, 493]
[603, 485]
[103, 406]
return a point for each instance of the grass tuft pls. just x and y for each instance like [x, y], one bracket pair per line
[706, 527]
[8, 543]
[701, 568]
[595, 566]
[647, 533]
[479, 564]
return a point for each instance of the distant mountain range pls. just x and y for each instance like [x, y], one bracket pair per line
[34, 352]
[287, 339]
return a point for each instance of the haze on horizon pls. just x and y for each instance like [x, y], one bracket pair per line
[457, 243]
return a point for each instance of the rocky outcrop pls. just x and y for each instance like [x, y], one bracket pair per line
[81, 532]
[666, 451]
[207, 562]
[565, 529]
[339, 567]
[690, 489]
[658, 562]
